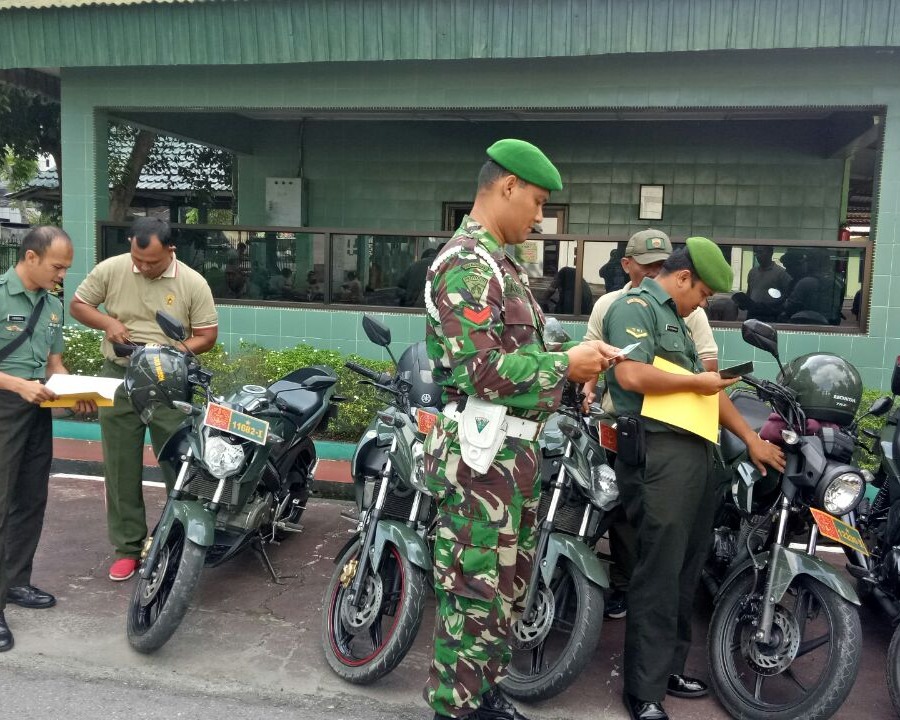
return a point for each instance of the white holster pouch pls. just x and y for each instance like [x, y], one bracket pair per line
[483, 426]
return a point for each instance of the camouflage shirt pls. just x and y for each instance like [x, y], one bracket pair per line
[489, 341]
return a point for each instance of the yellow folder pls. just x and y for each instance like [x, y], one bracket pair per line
[72, 388]
[693, 412]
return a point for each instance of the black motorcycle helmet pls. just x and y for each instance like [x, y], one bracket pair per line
[829, 388]
[156, 374]
[425, 392]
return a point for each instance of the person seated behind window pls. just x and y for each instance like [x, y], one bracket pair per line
[768, 286]
[412, 284]
[352, 289]
[614, 277]
[235, 275]
[818, 297]
[314, 292]
[564, 284]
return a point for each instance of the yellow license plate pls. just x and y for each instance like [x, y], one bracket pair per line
[839, 531]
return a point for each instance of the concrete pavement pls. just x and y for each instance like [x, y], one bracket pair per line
[250, 639]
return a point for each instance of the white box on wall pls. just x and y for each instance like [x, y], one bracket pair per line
[285, 202]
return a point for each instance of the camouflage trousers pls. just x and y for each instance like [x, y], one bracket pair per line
[483, 556]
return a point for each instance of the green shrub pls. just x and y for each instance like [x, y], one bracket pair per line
[255, 365]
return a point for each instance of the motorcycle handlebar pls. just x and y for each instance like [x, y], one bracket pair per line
[375, 377]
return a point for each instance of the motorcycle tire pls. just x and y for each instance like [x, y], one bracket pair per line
[158, 605]
[893, 670]
[785, 668]
[386, 625]
[578, 619]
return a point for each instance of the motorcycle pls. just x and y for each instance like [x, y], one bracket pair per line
[374, 603]
[784, 638]
[555, 637]
[244, 465]
[878, 570]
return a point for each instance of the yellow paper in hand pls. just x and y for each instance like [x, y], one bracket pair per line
[693, 412]
[72, 388]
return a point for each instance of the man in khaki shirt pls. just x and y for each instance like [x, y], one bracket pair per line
[645, 253]
[132, 287]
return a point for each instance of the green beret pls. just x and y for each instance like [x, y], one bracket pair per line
[710, 264]
[527, 162]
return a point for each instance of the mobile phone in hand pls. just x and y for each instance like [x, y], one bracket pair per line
[736, 370]
[628, 349]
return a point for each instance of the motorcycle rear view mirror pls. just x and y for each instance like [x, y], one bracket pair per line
[762, 336]
[881, 406]
[170, 326]
[376, 332]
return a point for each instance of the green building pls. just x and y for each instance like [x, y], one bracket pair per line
[358, 128]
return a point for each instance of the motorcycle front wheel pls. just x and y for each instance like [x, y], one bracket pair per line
[893, 670]
[808, 667]
[365, 643]
[559, 640]
[159, 604]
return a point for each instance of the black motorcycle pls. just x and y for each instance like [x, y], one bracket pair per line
[878, 571]
[784, 639]
[244, 468]
[374, 602]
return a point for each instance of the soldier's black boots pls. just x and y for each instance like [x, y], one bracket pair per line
[494, 706]
[643, 710]
[686, 687]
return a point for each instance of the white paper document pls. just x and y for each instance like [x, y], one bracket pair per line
[72, 388]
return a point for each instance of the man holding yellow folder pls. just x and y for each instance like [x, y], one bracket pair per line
[665, 471]
[31, 346]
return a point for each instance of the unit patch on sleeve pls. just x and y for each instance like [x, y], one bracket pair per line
[639, 301]
[475, 284]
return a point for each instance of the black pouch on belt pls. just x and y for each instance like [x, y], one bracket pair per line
[631, 447]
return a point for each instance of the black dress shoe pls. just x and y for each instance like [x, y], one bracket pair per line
[686, 687]
[6, 638]
[28, 596]
[496, 706]
[643, 709]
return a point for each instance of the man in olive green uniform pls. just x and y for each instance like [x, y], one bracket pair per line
[31, 345]
[668, 494]
[645, 253]
[132, 287]
[484, 333]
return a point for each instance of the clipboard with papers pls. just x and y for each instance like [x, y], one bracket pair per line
[73, 388]
[698, 414]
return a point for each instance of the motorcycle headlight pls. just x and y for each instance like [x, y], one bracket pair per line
[221, 458]
[841, 489]
[601, 489]
[418, 476]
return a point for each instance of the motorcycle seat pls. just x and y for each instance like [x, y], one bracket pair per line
[299, 401]
[755, 412]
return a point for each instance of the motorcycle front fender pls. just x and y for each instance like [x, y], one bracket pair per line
[198, 522]
[579, 554]
[407, 540]
[784, 565]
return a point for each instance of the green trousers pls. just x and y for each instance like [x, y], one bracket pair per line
[670, 503]
[123, 453]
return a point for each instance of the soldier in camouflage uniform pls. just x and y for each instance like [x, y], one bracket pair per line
[484, 335]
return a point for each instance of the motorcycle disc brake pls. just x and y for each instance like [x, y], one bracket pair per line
[149, 591]
[777, 655]
[529, 634]
[358, 619]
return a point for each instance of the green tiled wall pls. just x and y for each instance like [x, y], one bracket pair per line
[723, 185]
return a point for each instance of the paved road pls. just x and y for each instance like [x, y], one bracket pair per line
[250, 648]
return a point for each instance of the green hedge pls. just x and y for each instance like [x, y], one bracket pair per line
[256, 365]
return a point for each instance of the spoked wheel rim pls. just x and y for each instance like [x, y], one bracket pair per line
[358, 635]
[794, 665]
[152, 594]
[541, 644]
